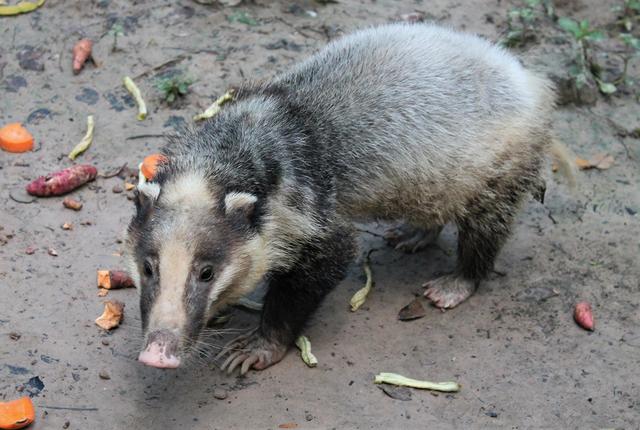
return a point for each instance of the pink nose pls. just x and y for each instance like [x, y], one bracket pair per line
[155, 355]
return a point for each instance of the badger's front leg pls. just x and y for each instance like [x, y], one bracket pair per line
[292, 297]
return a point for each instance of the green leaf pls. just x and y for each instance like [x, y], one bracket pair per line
[595, 35]
[171, 97]
[606, 87]
[569, 25]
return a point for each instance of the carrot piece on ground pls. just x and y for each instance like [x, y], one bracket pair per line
[150, 165]
[17, 414]
[15, 138]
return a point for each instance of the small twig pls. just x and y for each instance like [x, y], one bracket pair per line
[116, 173]
[553, 220]
[144, 136]
[64, 408]
[155, 69]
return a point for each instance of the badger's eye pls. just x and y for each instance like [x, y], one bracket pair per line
[206, 274]
[148, 270]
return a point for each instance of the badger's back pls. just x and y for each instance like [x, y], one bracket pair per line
[420, 114]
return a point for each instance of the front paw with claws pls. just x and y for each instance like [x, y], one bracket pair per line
[251, 350]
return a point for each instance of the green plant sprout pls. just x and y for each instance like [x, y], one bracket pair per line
[174, 87]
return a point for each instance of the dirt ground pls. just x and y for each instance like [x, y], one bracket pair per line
[514, 347]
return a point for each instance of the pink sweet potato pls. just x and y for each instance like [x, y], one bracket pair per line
[81, 53]
[62, 182]
[584, 316]
[112, 279]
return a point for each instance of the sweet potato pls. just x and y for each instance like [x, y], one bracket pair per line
[113, 279]
[62, 182]
[17, 414]
[81, 53]
[583, 315]
[112, 315]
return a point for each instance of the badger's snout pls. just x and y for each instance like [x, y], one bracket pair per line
[161, 350]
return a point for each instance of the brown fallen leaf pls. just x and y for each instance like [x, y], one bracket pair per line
[583, 164]
[70, 203]
[601, 161]
[598, 161]
[112, 315]
[412, 311]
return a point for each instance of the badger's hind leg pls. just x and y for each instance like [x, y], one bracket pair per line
[408, 238]
[292, 297]
[482, 231]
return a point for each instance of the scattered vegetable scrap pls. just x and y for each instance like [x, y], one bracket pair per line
[112, 315]
[304, 345]
[583, 315]
[70, 203]
[15, 138]
[81, 53]
[67, 226]
[150, 163]
[52, 252]
[17, 9]
[395, 379]
[17, 414]
[213, 110]
[135, 92]
[598, 161]
[86, 140]
[113, 279]
[361, 295]
[62, 182]
[288, 426]
[129, 186]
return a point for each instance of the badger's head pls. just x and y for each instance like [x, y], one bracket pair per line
[193, 247]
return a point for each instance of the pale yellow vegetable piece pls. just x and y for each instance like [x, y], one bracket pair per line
[304, 345]
[86, 140]
[395, 379]
[215, 107]
[361, 295]
[135, 92]
[22, 7]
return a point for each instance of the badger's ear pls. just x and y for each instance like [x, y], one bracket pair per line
[240, 204]
[145, 196]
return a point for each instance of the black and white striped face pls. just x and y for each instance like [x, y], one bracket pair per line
[191, 251]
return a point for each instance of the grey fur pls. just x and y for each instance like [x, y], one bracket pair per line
[413, 122]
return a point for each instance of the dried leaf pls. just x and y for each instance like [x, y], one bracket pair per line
[412, 311]
[583, 164]
[601, 161]
[398, 393]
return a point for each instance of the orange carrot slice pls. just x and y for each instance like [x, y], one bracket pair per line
[17, 414]
[150, 165]
[15, 138]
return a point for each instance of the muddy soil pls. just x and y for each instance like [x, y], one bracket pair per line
[521, 360]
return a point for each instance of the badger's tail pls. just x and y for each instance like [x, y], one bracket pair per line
[564, 161]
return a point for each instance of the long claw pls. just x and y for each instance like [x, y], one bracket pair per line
[248, 363]
[239, 359]
[230, 358]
